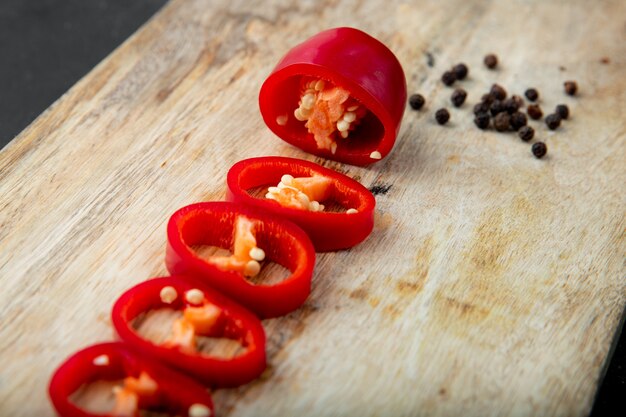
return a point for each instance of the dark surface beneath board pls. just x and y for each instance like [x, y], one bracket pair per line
[46, 46]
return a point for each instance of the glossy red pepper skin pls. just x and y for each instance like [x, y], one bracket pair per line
[328, 230]
[355, 61]
[211, 223]
[175, 392]
[237, 323]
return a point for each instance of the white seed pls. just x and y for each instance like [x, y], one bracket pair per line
[281, 185]
[314, 206]
[102, 360]
[168, 294]
[304, 199]
[257, 254]
[343, 126]
[311, 84]
[333, 147]
[252, 268]
[273, 190]
[308, 101]
[282, 120]
[322, 207]
[194, 296]
[352, 211]
[270, 196]
[353, 108]
[319, 85]
[199, 410]
[349, 117]
[375, 155]
[298, 115]
[286, 179]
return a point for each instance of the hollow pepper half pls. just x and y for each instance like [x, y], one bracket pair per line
[349, 224]
[340, 94]
[205, 312]
[146, 384]
[254, 238]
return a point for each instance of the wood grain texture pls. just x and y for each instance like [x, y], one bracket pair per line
[493, 282]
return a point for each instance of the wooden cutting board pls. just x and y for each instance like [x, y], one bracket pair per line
[493, 283]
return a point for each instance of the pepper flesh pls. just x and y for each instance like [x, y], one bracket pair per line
[328, 230]
[354, 62]
[228, 320]
[212, 224]
[148, 385]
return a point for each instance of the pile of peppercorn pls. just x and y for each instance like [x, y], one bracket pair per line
[496, 109]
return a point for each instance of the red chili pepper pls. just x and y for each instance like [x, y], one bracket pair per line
[359, 75]
[147, 385]
[206, 313]
[214, 224]
[328, 231]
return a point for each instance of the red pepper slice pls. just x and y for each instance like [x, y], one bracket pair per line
[355, 62]
[231, 321]
[212, 223]
[328, 230]
[166, 389]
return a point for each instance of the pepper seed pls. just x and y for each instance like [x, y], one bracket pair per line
[532, 94]
[502, 122]
[518, 119]
[563, 111]
[518, 100]
[442, 116]
[534, 111]
[416, 101]
[460, 70]
[526, 133]
[482, 120]
[553, 121]
[448, 78]
[498, 92]
[458, 97]
[487, 98]
[491, 61]
[570, 88]
[539, 149]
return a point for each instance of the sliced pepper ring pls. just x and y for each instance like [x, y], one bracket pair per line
[177, 292]
[212, 223]
[328, 230]
[355, 62]
[171, 391]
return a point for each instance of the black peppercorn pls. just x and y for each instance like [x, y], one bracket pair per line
[498, 92]
[518, 120]
[448, 78]
[510, 105]
[502, 122]
[487, 98]
[442, 116]
[539, 149]
[460, 70]
[562, 110]
[532, 94]
[416, 101]
[534, 111]
[458, 97]
[553, 121]
[496, 107]
[570, 87]
[481, 107]
[526, 133]
[482, 120]
[518, 100]
[491, 61]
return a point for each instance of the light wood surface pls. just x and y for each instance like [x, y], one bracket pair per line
[493, 283]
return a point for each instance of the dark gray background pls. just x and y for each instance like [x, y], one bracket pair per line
[47, 45]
